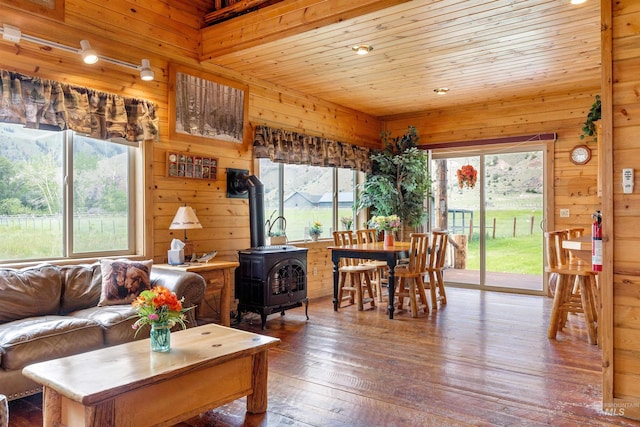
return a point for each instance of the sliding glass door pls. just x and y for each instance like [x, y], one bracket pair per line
[492, 202]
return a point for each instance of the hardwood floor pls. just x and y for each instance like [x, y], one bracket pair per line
[484, 359]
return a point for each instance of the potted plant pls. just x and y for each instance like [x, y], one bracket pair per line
[399, 181]
[315, 230]
[595, 114]
[276, 236]
[346, 222]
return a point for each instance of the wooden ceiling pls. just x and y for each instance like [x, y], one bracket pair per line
[482, 50]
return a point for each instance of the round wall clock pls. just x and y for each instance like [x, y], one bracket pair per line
[580, 154]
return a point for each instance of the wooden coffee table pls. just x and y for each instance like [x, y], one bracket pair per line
[129, 385]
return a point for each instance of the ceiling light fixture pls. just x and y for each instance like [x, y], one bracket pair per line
[578, 1]
[441, 90]
[89, 56]
[146, 73]
[14, 35]
[362, 49]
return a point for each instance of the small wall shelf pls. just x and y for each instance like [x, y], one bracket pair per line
[191, 165]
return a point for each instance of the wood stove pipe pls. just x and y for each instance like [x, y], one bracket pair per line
[256, 211]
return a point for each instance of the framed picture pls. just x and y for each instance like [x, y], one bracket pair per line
[50, 8]
[205, 108]
[191, 165]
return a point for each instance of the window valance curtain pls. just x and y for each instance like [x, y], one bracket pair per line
[283, 146]
[51, 105]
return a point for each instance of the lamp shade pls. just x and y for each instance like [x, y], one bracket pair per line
[185, 219]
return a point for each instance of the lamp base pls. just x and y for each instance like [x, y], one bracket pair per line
[188, 250]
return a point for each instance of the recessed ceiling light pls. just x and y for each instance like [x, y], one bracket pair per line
[362, 49]
[441, 90]
[578, 1]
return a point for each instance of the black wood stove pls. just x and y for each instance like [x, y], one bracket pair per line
[269, 278]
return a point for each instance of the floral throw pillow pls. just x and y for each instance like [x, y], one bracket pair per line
[123, 280]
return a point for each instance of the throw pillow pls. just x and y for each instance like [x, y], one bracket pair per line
[123, 280]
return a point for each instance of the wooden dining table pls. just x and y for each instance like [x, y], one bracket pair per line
[375, 251]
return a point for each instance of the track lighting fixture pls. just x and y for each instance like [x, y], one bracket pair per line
[89, 55]
[146, 73]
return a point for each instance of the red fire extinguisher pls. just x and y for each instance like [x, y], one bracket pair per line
[596, 242]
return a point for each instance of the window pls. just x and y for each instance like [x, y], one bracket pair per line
[41, 217]
[304, 194]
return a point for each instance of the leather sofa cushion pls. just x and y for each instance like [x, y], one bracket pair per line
[35, 339]
[81, 286]
[116, 321]
[29, 292]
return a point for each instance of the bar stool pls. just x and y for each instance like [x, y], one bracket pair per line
[359, 275]
[565, 299]
[380, 276]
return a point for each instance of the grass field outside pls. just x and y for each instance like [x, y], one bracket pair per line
[40, 237]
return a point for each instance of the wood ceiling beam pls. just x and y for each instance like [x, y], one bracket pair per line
[284, 19]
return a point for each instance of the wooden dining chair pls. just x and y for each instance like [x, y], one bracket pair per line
[355, 276]
[566, 300]
[409, 277]
[380, 276]
[434, 280]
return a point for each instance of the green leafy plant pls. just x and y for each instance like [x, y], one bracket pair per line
[399, 181]
[595, 113]
[315, 229]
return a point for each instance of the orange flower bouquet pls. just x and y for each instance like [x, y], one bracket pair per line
[159, 305]
[160, 308]
[468, 176]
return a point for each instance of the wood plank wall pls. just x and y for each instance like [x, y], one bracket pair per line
[168, 32]
[575, 187]
[626, 207]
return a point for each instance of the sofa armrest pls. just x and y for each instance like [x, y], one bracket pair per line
[185, 284]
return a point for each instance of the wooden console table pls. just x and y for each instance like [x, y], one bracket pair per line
[218, 276]
[129, 385]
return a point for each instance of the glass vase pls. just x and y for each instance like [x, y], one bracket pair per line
[160, 337]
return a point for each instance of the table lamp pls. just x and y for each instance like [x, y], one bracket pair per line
[185, 219]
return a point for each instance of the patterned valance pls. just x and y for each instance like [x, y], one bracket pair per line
[283, 146]
[51, 105]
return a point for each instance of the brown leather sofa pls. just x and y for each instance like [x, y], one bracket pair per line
[52, 311]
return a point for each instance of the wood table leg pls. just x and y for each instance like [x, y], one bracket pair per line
[51, 408]
[336, 279]
[225, 299]
[257, 401]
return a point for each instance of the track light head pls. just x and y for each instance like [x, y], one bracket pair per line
[146, 73]
[89, 56]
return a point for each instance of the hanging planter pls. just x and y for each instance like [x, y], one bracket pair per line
[467, 176]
